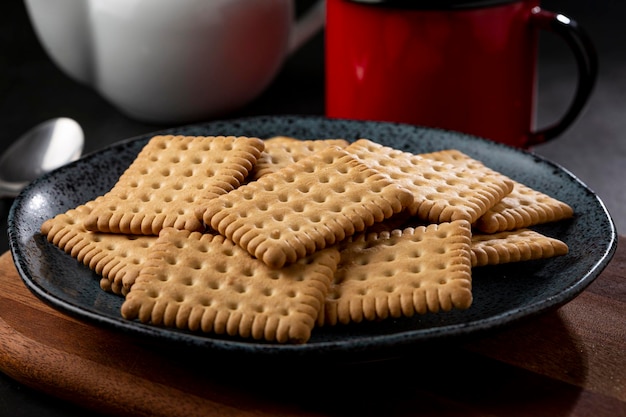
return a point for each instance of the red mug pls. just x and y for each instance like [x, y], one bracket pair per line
[463, 65]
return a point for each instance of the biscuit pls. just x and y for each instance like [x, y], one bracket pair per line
[415, 270]
[305, 206]
[522, 208]
[281, 151]
[169, 178]
[442, 192]
[117, 258]
[204, 282]
[514, 246]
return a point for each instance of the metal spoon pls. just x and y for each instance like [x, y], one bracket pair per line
[45, 147]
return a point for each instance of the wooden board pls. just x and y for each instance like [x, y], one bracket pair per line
[571, 362]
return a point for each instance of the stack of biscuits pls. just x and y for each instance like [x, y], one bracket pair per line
[269, 239]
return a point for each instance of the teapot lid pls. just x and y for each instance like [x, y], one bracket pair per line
[434, 4]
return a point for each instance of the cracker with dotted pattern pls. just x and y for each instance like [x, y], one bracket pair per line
[169, 178]
[206, 283]
[514, 246]
[400, 273]
[306, 206]
[281, 151]
[442, 192]
[523, 207]
[117, 258]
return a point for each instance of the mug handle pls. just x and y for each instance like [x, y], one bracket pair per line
[307, 25]
[587, 62]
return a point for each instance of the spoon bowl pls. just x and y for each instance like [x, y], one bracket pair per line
[43, 148]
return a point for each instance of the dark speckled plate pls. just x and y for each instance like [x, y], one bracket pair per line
[502, 295]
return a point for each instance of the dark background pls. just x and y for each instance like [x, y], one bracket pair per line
[32, 90]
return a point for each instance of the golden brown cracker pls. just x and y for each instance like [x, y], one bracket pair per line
[521, 208]
[205, 282]
[281, 151]
[514, 246]
[117, 258]
[415, 270]
[305, 206]
[169, 178]
[442, 192]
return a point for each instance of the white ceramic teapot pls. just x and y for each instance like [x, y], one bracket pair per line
[169, 61]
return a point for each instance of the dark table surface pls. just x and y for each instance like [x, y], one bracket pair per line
[32, 89]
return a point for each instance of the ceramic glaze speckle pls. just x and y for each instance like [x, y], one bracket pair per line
[502, 294]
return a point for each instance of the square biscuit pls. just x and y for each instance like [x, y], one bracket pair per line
[523, 207]
[400, 273]
[117, 258]
[305, 206]
[206, 283]
[514, 246]
[442, 192]
[281, 151]
[169, 178]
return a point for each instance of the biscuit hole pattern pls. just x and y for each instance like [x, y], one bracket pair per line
[196, 264]
[319, 198]
[275, 274]
[186, 281]
[335, 208]
[415, 269]
[239, 288]
[361, 277]
[308, 168]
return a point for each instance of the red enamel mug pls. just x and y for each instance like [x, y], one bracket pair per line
[463, 65]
